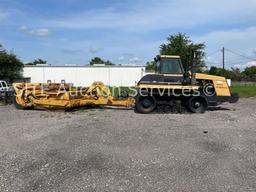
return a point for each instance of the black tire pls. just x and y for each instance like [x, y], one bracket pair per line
[197, 104]
[145, 104]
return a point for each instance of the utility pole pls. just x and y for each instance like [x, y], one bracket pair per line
[223, 61]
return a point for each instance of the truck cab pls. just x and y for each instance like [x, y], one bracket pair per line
[6, 92]
[3, 86]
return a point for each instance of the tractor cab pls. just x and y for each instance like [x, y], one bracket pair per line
[167, 64]
[169, 71]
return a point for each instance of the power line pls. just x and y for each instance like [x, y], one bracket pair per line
[239, 61]
[241, 55]
[230, 63]
[212, 63]
[213, 53]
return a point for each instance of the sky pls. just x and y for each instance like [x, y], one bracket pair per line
[126, 32]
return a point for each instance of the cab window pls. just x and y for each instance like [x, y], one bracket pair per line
[171, 66]
[3, 84]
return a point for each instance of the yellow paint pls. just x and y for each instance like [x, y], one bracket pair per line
[221, 89]
[170, 56]
[53, 97]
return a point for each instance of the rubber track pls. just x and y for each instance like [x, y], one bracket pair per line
[175, 109]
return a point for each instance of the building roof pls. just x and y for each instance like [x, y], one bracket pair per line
[86, 66]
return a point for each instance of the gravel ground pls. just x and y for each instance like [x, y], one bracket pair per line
[119, 150]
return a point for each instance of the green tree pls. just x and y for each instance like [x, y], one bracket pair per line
[215, 71]
[234, 73]
[250, 71]
[10, 66]
[151, 66]
[181, 44]
[98, 60]
[109, 63]
[37, 61]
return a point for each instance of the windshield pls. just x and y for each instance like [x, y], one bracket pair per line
[3, 84]
[171, 66]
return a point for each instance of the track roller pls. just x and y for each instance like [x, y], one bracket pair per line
[197, 104]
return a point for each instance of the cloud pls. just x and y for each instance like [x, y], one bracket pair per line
[3, 15]
[11, 15]
[23, 28]
[95, 49]
[140, 27]
[40, 32]
[71, 51]
[239, 38]
[244, 65]
[134, 60]
[241, 41]
[238, 66]
[121, 58]
[154, 15]
[128, 58]
[251, 63]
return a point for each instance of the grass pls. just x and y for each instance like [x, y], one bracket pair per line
[122, 92]
[244, 90]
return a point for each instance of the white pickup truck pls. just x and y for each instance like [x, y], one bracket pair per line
[5, 91]
[3, 86]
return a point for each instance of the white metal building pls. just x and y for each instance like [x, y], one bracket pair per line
[85, 75]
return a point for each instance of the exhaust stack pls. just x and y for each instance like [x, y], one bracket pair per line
[193, 68]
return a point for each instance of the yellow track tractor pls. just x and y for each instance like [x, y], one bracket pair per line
[171, 89]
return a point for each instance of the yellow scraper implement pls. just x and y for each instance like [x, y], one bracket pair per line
[65, 96]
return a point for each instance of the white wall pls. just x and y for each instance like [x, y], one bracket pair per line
[85, 76]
